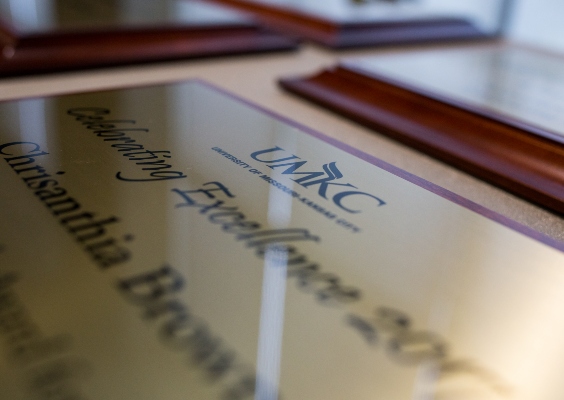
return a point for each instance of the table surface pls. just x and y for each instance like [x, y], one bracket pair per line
[254, 78]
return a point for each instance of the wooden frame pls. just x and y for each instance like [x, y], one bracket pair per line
[335, 35]
[65, 50]
[495, 150]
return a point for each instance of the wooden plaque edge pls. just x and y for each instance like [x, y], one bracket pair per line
[335, 35]
[68, 51]
[514, 159]
[474, 109]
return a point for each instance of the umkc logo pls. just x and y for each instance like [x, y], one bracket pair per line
[328, 182]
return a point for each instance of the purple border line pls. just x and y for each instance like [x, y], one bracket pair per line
[434, 188]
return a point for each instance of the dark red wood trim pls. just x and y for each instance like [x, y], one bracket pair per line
[484, 112]
[64, 50]
[7, 37]
[335, 35]
[510, 157]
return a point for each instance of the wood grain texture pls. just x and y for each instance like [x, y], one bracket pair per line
[514, 159]
[334, 35]
[61, 51]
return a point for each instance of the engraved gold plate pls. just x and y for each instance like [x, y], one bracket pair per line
[175, 242]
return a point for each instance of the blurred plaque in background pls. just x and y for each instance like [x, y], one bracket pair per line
[51, 35]
[350, 23]
[495, 111]
[174, 242]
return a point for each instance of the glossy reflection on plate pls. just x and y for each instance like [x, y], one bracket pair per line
[173, 242]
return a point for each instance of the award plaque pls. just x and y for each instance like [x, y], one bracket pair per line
[174, 242]
[494, 111]
[43, 36]
[350, 23]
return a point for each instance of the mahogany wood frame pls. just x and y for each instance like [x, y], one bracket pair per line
[507, 155]
[61, 51]
[334, 35]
